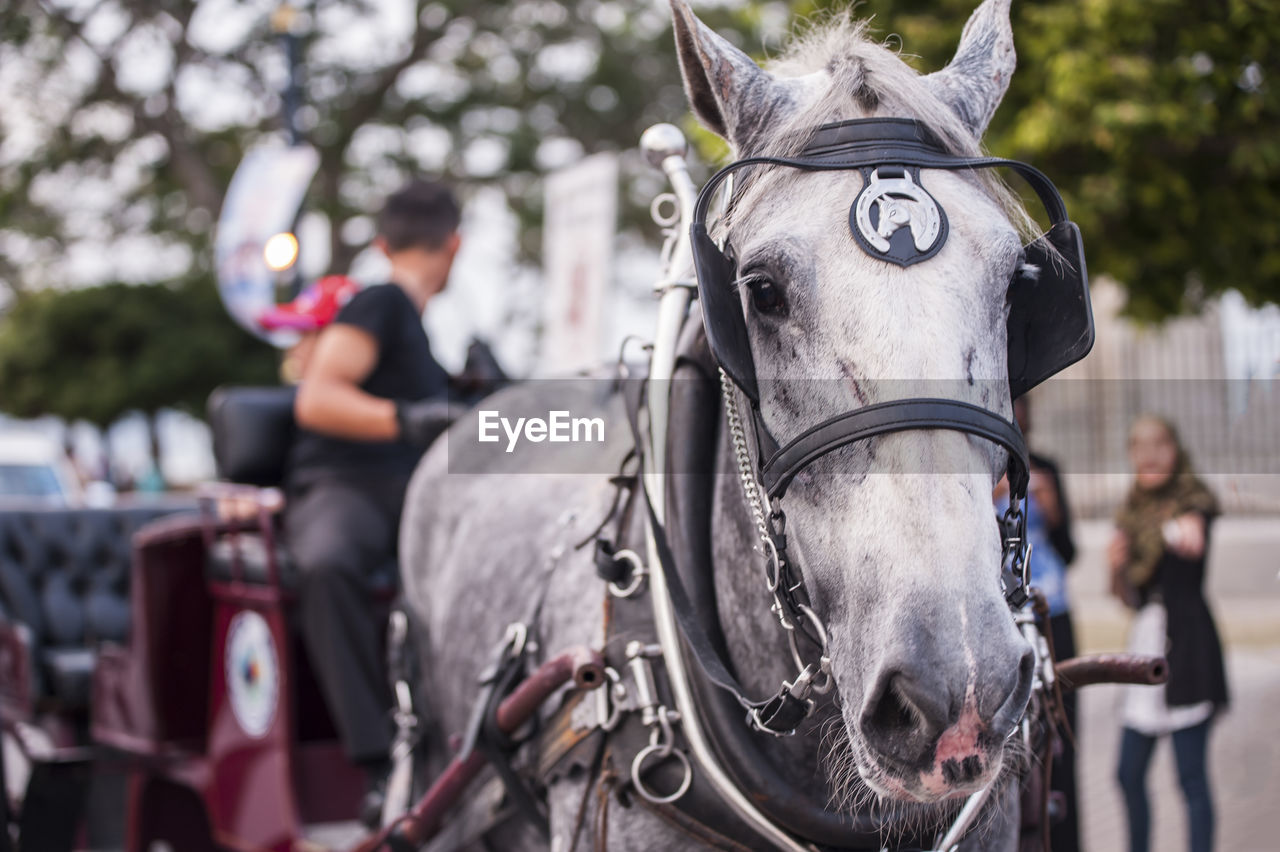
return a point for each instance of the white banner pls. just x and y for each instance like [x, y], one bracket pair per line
[577, 258]
[263, 200]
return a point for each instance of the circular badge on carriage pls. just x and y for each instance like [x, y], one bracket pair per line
[253, 672]
[895, 219]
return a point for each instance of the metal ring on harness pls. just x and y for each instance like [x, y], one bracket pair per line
[822, 687]
[638, 573]
[637, 772]
[772, 565]
[669, 218]
[609, 700]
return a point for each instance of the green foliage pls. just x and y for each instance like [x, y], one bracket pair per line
[97, 353]
[1160, 123]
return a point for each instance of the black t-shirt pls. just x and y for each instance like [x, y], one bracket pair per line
[405, 370]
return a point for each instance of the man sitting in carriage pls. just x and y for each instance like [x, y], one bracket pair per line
[370, 399]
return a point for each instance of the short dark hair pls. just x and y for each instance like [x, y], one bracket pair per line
[421, 214]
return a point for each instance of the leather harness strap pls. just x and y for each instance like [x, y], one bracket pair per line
[895, 416]
[780, 712]
[851, 145]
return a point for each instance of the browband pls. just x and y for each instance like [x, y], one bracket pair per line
[867, 142]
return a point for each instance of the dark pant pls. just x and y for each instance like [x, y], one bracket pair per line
[1064, 834]
[339, 533]
[1190, 747]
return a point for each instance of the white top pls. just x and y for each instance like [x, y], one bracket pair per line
[1144, 708]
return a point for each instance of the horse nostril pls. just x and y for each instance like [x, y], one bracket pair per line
[903, 718]
[1010, 711]
[891, 711]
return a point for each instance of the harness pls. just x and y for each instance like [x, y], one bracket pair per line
[641, 737]
[879, 148]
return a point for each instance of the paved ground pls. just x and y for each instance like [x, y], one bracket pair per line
[1244, 766]
[1245, 744]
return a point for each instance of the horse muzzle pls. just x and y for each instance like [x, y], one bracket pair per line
[919, 744]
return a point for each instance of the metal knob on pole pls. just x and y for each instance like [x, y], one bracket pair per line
[661, 141]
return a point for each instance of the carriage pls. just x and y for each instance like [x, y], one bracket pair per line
[193, 714]
[635, 711]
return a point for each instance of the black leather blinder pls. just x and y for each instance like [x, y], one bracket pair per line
[1050, 317]
[721, 312]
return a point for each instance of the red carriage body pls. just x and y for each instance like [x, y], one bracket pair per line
[200, 703]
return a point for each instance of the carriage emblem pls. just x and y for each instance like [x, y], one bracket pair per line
[252, 672]
[895, 219]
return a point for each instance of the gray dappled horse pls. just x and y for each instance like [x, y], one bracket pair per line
[904, 570]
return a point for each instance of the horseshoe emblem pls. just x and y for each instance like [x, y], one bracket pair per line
[895, 219]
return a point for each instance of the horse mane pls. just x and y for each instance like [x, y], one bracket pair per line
[870, 79]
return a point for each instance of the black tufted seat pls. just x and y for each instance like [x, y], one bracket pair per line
[64, 576]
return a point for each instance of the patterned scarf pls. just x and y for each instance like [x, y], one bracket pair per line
[1145, 511]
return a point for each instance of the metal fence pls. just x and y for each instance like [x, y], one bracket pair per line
[1229, 424]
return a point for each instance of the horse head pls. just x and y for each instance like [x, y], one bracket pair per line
[904, 569]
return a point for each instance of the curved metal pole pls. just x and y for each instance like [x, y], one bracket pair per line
[1111, 668]
[580, 664]
[674, 304]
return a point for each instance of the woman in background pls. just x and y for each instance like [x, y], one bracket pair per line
[1157, 558]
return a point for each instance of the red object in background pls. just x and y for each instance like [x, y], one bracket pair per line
[209, 769]
[314, 308]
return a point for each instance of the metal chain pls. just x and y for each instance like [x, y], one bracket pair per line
[813, 677]
[751, 488]
[746, 471]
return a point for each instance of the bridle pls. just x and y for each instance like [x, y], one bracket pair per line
[894, 146]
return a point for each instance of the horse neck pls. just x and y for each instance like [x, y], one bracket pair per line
[756, 643]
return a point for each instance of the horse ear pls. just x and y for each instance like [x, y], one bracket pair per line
[723, 84]
[975, 80]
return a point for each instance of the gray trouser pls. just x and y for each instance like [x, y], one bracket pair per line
[340, 531]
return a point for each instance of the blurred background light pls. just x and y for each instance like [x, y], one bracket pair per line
[280, 251]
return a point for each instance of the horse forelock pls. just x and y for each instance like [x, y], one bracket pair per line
[864, 78]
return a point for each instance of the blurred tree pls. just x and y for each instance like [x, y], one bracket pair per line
[1160, 123]
[125, 118]
[96, 353]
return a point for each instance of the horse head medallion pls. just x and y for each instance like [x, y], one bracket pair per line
[895, 219]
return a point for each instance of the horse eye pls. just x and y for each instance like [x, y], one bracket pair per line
[766, 296]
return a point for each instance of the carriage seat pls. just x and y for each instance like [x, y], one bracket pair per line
[253, 429]
[64, 588]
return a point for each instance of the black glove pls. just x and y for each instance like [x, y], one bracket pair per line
[423, 421]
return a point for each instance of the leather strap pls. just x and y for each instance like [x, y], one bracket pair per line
[885, 142]
[779, 713]
[896, 416]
